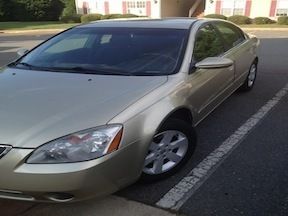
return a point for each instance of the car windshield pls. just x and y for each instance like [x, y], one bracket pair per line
[110, 51]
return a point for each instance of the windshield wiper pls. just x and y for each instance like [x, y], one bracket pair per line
[100, 70]
[22, 63]
[29, 66]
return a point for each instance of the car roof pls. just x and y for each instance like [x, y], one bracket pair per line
[173, 23]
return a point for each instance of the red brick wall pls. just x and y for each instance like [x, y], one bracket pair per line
[106, 7]
[218, 6]
[148, 8]
[124, 7]
[248, 7]
[273, 8]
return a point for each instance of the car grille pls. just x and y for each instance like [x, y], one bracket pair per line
[4, 149]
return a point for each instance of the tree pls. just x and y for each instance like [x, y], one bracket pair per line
[1, 8]
[70, 8]
[6, 10]
[38, 10]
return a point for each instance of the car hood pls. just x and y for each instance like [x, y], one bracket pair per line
[37, 107]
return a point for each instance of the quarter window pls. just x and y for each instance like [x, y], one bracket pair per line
[208, 43]
[231, 34]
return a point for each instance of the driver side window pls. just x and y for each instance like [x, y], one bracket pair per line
[208, 43]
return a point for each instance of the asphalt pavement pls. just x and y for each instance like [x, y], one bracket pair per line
[251, 180]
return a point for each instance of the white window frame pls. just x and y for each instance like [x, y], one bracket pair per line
[282, 5]
[136, 4]
[233, 5]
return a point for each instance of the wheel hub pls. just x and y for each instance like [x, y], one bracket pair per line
[165, 152]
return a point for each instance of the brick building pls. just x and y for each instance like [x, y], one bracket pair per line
[149, 8]
[251, 8]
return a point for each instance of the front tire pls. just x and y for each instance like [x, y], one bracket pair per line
[251, 78]
[171, 148]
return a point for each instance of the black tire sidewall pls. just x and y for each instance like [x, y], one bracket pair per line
[245, 86]
[189, 132]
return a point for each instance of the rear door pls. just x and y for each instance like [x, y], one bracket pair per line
[210, 86]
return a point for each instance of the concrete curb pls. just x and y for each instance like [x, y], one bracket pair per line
[109, 206]
[39, 31]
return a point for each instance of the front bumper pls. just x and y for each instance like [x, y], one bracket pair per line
[69, 181]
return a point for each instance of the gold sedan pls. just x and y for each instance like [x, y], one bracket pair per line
[94, 108]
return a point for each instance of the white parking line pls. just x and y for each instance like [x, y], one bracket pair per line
[181, 192]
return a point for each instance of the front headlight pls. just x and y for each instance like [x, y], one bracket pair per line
[81, 146]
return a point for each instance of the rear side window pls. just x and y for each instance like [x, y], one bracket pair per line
[231, 34]
[208, 43]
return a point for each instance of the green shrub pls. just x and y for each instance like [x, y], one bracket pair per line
[117, 16]
[76, 18]
[239, 19]
[128, 15]
[90, 17]
[262, 20]
[283, 20]
[216, 16]
[94, 17]
[111, 16]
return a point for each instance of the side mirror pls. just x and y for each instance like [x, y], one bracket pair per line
[22, 52]
[214, 62]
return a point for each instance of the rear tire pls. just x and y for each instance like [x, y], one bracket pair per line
[171, 148]
[251, 78]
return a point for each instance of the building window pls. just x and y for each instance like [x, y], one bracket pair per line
[136, 4]
[233, 7]
[282, 8]
[136, 7]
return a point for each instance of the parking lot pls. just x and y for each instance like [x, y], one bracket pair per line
[249, 178]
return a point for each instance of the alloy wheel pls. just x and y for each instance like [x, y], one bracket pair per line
[252, 75]
[167, 149]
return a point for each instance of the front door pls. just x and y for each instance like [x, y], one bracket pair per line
[241, 51]
[209, 86]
